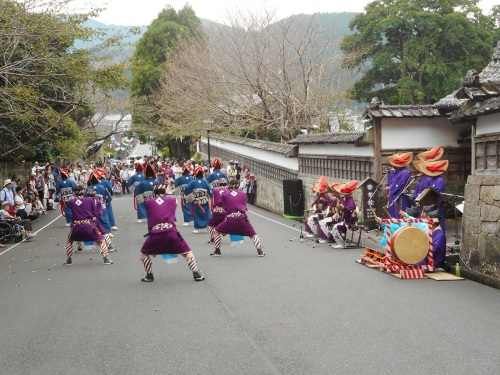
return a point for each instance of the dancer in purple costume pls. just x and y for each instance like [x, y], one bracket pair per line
[198, 194]
[346, 207]
[180, 184]
[83, 227]
[397, 183]
[236, 221]
[163, 236]
[218, 213]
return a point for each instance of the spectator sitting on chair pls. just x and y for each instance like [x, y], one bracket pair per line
[26, 223]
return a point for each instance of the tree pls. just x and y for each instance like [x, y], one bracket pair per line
[46, 82]
[255, 76]
[150, 59]
[416, 51]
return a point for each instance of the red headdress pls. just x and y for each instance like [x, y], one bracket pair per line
[198, 170]
[217, 162]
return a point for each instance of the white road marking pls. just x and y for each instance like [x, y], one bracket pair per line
[39, 230]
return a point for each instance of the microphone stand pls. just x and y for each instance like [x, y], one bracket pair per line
[455, 197]
[410, 181]
[379, 225]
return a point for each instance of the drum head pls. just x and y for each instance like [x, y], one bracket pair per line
[410, 244]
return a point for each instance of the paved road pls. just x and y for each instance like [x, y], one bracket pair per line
[297, 311]
[141, 149]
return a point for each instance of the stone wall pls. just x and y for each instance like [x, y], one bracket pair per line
[10, 169]
[481, 224]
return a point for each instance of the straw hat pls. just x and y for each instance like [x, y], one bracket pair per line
[7, 181]
[400, 159]
[347, 188]
[321, 186]
[433, 168]
[331, 186]
[431, 154]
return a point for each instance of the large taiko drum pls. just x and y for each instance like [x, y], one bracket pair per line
[410, 244]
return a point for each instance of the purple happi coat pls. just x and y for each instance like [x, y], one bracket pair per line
[346, 212]
[84, 217]
[236, 221]
[326, 202]
[164, 237]
[438, 248]
[438, 184]
[218, 212]
[397, 182]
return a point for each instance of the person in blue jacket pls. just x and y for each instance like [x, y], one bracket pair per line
[65, 192]
[214, 177]
[179, 184]
[198, 193]
[109, 188]
[144, 190]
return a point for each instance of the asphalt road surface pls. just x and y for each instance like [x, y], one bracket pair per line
[141, 149]
[298, 310]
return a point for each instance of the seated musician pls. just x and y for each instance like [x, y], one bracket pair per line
[331, 216]
[346, 208]
[318, 206]
[438, 236]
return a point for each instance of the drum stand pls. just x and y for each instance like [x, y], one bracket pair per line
[455, 197]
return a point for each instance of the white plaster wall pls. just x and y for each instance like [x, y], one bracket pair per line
[255, 153]
[488, 124]
[335, 149]
[419, 133]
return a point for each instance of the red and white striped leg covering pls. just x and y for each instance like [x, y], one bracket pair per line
[211, 231]
[256, 241]
[193, 265]
[69, 249]
[217, 239]
[107, 240]
[104, 249]
[148, 265]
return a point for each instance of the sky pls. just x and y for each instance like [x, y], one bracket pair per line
[142, 12]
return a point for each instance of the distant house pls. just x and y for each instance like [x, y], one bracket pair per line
[480, 111]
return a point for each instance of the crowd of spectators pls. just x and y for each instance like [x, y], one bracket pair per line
[32, 197]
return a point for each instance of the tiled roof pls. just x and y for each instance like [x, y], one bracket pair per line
[450, 102]
[281, 148]
[481, 108]
[491, 74]
[347, 137]
[399, 111]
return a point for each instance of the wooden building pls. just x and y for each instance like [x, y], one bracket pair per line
[481, 113]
